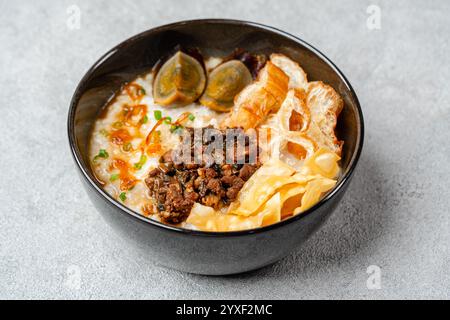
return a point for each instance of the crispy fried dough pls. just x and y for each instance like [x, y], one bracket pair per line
[297, 77]
[325, 105]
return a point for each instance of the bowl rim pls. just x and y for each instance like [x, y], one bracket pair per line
[141, 218]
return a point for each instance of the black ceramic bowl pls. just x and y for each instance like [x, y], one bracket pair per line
[211, 253]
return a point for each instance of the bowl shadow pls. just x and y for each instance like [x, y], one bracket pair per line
[350, 233]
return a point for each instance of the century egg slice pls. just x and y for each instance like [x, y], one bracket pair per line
[224, 83]
[180, 81]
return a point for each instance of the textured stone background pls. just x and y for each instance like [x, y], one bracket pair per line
[53, 244]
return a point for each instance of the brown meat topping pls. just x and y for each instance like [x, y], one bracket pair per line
[175, 187]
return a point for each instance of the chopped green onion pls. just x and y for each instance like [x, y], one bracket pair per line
[114, 177]
[142, 161]
[176, 128]
[123, 196]
[117, 124]
[158, 114]
[191, 117]
[142, 91]
[168, 120]
[144, 119]
[127, 146]
[101, 154]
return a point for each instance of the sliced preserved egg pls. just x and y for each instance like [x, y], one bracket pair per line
[224, 83]
[180, 81]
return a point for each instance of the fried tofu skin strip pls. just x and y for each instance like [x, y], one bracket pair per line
[257, 100]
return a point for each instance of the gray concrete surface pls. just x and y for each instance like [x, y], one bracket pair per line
[53, 244]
